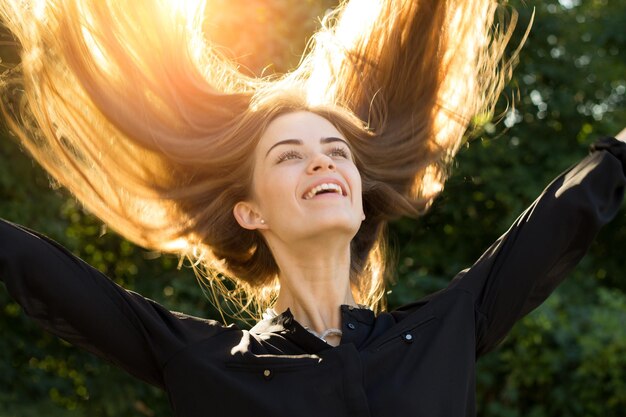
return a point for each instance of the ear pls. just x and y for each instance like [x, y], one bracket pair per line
[248, 216]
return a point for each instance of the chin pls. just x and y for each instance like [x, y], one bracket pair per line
[334, 225]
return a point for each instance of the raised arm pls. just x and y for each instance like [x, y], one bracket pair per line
[520, 270]
[79, 304]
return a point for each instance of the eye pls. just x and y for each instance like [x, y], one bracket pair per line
[340, 152]
[291, 154]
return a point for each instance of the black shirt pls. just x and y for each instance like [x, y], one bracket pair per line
[418, 360]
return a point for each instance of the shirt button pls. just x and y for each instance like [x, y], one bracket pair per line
[351, 326]
[267, 374]
[408, 337]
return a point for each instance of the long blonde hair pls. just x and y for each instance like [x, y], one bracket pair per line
[131, 108]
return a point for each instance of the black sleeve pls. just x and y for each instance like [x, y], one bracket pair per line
[78, 303]
[520, 270]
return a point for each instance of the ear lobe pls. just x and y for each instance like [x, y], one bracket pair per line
[247, 216]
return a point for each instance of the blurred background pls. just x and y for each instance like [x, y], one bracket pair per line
[567, 358]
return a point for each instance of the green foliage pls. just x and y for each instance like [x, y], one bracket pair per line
[568, 358]
[565, 359]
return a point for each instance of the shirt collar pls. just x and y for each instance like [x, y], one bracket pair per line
[285, 326]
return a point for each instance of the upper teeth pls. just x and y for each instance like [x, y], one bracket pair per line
[326, 186]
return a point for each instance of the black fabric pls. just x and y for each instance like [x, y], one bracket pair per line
[614, 146]
[418, 360]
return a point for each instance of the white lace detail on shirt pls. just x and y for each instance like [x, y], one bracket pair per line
[271, 313]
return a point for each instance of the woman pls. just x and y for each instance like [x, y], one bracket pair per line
[284, 184]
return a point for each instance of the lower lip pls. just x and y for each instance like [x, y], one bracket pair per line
[325, 196]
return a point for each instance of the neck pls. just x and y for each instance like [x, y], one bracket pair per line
[314, 283]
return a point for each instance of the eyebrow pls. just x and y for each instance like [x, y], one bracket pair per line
[323, 141]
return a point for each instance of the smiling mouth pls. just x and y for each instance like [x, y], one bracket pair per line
[325, 188]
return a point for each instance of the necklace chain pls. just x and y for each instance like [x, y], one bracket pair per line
[328, 332]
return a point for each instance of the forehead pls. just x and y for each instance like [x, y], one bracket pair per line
[301, 125]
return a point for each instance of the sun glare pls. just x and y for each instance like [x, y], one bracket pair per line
[349, 31]
[355, 16]
[189, 10]
[430, 185]
[95, 50]
[178, 245]
[39, 9]
[192, 13]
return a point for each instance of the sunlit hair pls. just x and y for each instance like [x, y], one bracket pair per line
[129, 106]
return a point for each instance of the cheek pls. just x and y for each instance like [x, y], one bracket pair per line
[357, 189]
[276, 189]
[355, 179]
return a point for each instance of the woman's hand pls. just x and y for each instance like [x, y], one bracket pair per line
[621, 135]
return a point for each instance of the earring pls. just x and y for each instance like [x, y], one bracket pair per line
[262, 221]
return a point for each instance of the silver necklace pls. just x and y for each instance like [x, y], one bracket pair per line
[271, 313]
[328, 332]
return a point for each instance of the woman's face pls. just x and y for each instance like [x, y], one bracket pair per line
[305, 181]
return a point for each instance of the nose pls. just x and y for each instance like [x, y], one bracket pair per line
[320, 163]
